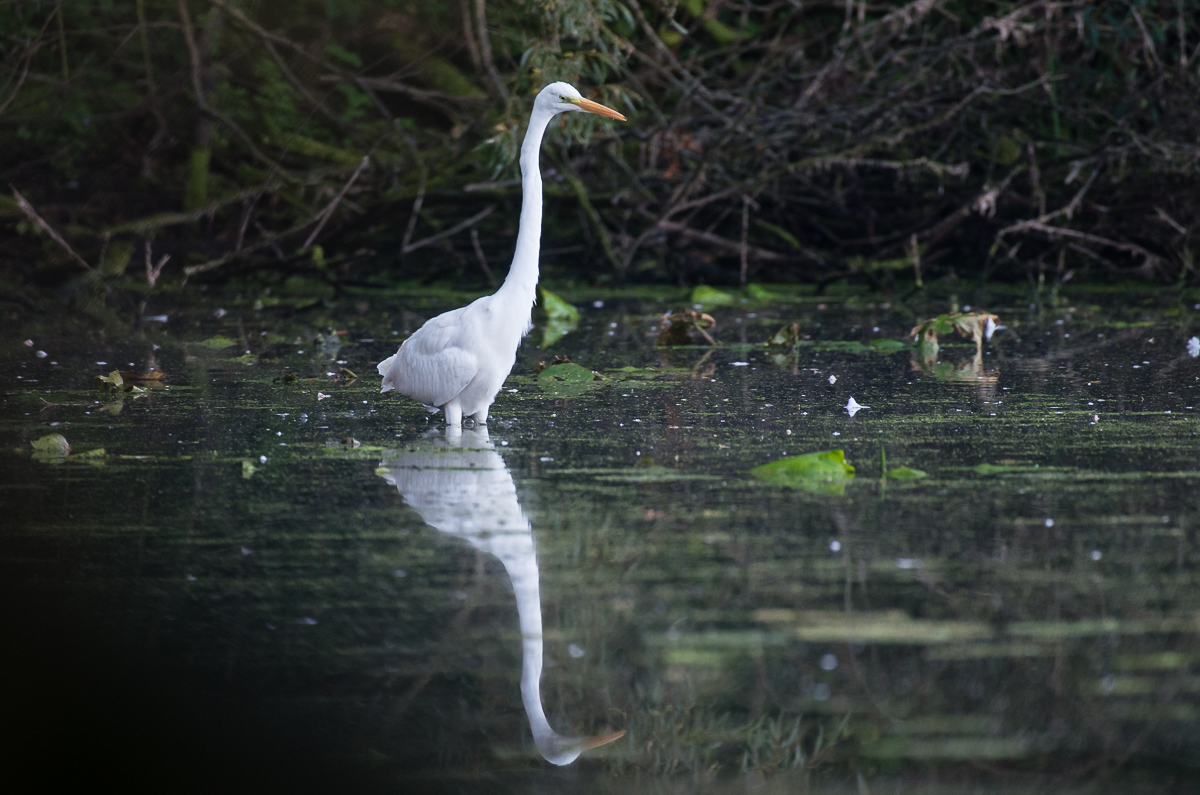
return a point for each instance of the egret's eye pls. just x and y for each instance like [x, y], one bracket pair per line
[565, 100]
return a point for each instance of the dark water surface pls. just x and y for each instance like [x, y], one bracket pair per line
[241, 581]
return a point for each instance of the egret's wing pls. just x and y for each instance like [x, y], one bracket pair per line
[431, 366]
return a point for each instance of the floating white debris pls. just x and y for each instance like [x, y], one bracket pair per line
[1049, 523]
[853, 406]
[1193, 347]
[908, 563]
[321, 396]
[576, 651]
[828, 662]
[220, 313]
[41, 354]
[833, 379]
[835, 545]
[740, 364]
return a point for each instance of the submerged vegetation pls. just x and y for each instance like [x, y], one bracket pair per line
[305, 149]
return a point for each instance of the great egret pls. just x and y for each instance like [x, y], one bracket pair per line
[458, 361]
[460, 486]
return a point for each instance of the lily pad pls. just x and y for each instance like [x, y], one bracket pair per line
[710, 296]
[55, 444]
[889, 346]
[906, 473]
[561, 318]
[567, 379]
[1002, 469]
[218, 342]
[558, 309]
[826, 471]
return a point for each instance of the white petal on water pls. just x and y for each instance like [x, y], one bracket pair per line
[853, 406]
[1193, 347]
[833, 379]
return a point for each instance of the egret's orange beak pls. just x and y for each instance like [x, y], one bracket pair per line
[587, 743]
[595, 107]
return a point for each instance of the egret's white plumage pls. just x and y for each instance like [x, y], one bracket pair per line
[458, 361]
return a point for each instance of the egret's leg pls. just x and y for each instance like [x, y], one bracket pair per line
[481, 416]
[453, 413]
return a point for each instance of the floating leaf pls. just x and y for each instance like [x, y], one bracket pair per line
[567, 379]
[677, 328]
[827, 471]
[889, 346]
[973, 325]
[1002, 469]
[55, 444]
[787, 335]
[558, 309]
[218, 342]
[905, 473]
[113, 382]
[710, 296]
[247, 469]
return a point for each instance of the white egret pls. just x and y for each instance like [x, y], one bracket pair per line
[460, 486]
[458, 361]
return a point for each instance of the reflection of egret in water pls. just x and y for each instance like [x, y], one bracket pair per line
[460, 486]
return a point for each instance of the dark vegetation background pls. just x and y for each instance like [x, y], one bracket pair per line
[310, 147]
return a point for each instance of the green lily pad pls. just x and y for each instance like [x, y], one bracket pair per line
[825, 472]
[558, 309]
[906, 473]
[567, 379]
[710, 296]
[55, 444]
[1002, 469]
[889, 346]
[561, 317]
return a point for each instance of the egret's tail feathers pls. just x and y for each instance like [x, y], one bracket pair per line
[385, 369]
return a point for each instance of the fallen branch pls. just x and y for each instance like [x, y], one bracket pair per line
[327, 213]
[732, 246]
[474, 219]
[1058, 231]
[32, 215]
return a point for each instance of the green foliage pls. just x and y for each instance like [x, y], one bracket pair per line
[816, 142]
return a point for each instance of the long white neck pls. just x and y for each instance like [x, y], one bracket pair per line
[523, 275]
[523, 571]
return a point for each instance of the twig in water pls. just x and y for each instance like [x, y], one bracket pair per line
[327, 213]
[32, 215]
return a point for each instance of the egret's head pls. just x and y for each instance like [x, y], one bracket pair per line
[565, 98]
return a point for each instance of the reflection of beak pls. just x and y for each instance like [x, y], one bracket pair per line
[587, 743]
[595, 107]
